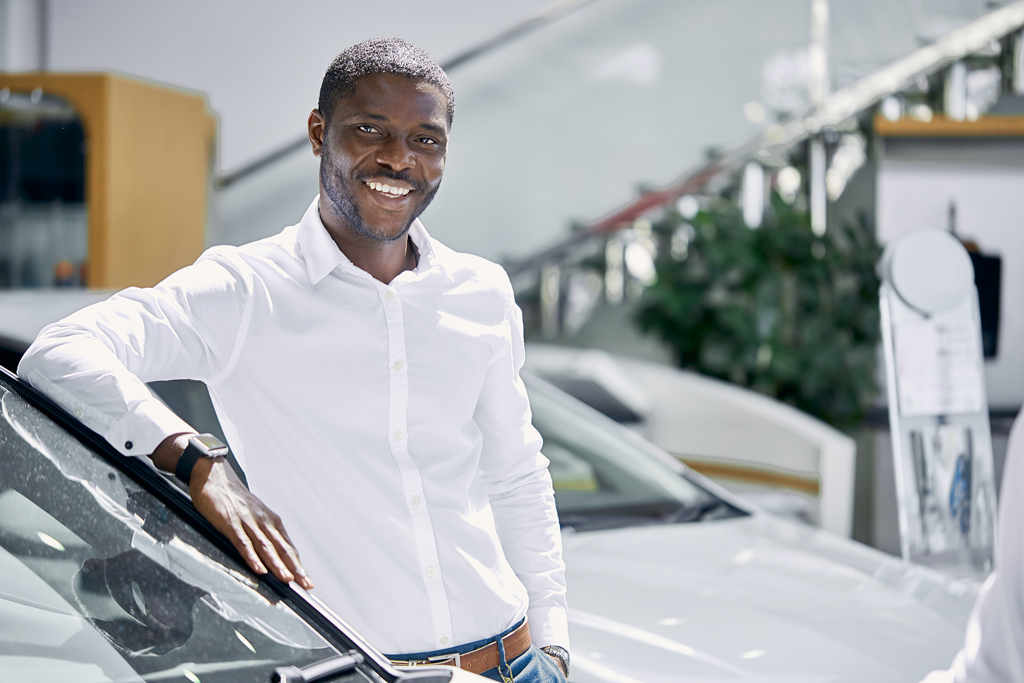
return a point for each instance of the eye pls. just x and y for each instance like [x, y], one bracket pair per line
[366, 128]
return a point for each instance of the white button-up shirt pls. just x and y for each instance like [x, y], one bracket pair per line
[386, 424]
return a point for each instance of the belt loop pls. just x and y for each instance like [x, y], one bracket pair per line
[502, 662]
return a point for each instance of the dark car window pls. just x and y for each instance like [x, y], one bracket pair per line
[100, 581]
[603, 478]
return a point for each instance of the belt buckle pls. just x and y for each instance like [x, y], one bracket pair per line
[437, 659]
[411, 662]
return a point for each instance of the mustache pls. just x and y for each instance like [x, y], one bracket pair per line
[388, 174]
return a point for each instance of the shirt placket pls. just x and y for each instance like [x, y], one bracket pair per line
[412, 483]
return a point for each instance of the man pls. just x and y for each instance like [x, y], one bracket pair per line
[367, 378]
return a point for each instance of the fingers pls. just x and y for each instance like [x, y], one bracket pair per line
[256, 532]
[266, 550]
[238, 537]
[286, 551]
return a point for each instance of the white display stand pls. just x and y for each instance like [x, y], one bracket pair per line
[938, 412]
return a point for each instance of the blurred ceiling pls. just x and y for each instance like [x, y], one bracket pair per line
[564, 123]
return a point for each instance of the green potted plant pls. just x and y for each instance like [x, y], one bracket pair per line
[777, 309]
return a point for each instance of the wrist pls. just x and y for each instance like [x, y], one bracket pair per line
[200, 447]
[201, 473]
[165, 456]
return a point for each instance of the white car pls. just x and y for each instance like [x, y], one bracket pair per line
[673, 578]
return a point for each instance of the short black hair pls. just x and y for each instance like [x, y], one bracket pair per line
[381, 56]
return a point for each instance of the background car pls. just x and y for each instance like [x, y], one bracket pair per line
[671, 577]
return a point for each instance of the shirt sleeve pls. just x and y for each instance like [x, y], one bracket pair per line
[993, 650]
[95, 362]
[516, 477]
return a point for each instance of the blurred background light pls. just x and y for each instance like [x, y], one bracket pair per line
[847, 159]
[688, 206]
[754, 111]
[788, 183]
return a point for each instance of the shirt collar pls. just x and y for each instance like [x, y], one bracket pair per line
[322, 255]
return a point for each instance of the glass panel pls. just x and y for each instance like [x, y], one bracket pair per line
[599, 473]
[43, 221]
[100, 579]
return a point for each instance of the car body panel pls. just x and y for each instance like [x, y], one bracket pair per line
[754, 598]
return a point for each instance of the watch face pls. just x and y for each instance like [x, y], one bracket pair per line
[212, 445]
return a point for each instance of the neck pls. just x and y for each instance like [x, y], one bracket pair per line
[384, 261]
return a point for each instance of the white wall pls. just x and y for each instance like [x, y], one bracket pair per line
[259, 61]
[916, 182]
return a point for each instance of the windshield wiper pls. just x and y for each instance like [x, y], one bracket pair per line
[696, 513]
[321, 671]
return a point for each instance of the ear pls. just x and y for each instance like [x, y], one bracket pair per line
[317, 127]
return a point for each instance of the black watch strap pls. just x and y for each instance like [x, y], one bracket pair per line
[199, 446]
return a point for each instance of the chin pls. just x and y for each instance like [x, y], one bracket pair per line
[386, 234]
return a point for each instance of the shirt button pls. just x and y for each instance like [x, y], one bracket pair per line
[128, 445]
[78, 412]
[431, 571]
[398, 365]
[416, 501]
[398, 436]
[389, 295]
[444, 640]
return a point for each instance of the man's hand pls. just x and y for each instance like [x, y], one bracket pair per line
[256, 531]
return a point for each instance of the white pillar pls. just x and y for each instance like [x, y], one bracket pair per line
[817, 91]
[753, 194]
[23, 35]
[818, 85]
[817, 186]
[956, 92]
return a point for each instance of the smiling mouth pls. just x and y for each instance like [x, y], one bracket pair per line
[387, 190]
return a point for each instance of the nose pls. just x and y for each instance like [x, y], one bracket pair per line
[395, 154]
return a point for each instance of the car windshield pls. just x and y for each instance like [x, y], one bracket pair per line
[604, 477]
[100, 581]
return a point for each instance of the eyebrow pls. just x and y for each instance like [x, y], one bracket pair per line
[436, 129]
[380, 117]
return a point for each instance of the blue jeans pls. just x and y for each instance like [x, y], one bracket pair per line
[533, 666]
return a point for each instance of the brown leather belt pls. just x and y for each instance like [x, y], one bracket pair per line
[481, 659]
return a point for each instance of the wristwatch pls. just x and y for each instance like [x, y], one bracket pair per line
[199, 446]
[559, 653]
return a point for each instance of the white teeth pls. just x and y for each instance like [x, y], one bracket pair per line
[387, 189]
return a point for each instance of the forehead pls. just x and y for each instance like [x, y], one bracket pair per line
[395, 98]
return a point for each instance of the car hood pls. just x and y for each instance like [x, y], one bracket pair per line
[754, 599]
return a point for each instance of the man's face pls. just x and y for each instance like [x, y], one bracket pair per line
[382, 154]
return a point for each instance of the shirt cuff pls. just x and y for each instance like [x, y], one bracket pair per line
[144, 428]
[549, 626]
